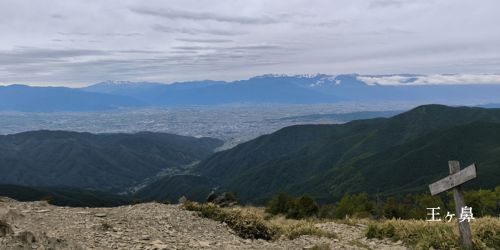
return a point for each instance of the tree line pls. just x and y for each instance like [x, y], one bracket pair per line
[484, 202]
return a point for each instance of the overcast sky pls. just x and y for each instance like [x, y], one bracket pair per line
[80, 42]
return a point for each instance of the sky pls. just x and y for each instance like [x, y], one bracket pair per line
[80, 42]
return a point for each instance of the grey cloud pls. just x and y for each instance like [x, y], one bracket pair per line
[191, 39]
[192, 15]
[58, 16]
[110, 34]
[195, 47]
[195, 31]
[122, 34]
[137, 51]
[198, 40]
[33, 55]
[256, 47]
[183, 51]
[74, 33]
[386, 3]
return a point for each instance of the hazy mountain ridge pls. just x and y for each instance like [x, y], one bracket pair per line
[49, 99]
[271, 89]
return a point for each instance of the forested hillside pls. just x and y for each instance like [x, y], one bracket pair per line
[109, 162]
[403, 153]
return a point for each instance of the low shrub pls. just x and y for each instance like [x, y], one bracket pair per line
[327, 212]
[247, 226]
[295, 208]
[280, 204]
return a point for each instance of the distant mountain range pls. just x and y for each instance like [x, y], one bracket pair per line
[382, 156]
[267, 89]
[108, 162]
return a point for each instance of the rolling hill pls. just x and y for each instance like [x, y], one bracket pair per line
[400, 154]
[109, 162]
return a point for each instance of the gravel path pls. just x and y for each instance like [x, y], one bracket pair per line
[37, 225]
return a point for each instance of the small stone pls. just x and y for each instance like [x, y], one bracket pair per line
[100, 215]
[5, 229]
[204, 243]
[26, 237]
[43, 211]
[144, 237]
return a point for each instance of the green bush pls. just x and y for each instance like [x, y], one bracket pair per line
[303, 207]
[295, 208]
[280, 204]
[391, 208]
[358, 205]
[327, 211]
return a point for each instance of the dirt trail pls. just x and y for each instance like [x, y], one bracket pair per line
[37, 225]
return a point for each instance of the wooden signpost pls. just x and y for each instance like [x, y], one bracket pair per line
[454, 181]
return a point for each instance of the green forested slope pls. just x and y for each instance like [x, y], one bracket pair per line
[195, 188]
[98, 161]
[329, 160]
[64, 196]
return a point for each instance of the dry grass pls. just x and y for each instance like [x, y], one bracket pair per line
[287, 228]
[255, 220]
[246, 225]
[417, 234]
[439, 235]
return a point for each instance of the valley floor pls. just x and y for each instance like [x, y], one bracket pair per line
[37, 225]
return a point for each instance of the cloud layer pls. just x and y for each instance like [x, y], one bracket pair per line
[84, 41]
[434, 79]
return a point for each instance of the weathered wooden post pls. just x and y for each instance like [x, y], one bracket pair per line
[454, 181]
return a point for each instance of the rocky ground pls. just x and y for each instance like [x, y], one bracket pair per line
[37, 225]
